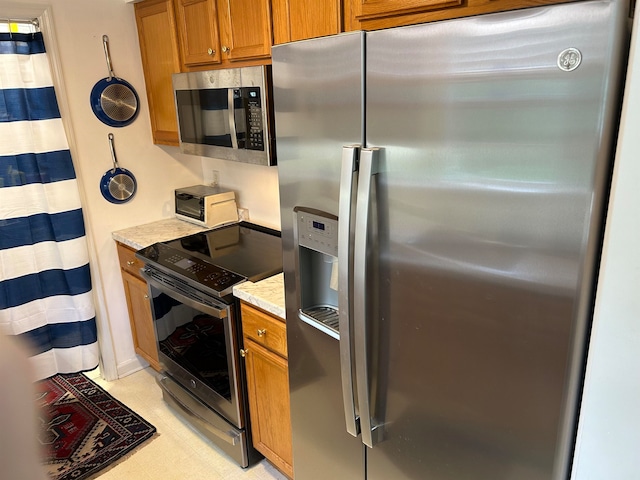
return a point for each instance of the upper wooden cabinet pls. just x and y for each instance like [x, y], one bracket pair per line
[300, 19]
[375, 9]
[219, 32]
[245, 29]
[160, 59]
[198, 31]
[378, 14]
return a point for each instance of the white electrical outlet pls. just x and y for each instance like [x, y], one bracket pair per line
[243, 214]
[215, 178]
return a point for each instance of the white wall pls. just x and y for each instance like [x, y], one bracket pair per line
[608, 444]
[256, 188]
[78, 26]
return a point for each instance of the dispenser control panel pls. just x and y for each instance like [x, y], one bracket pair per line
[317, 231]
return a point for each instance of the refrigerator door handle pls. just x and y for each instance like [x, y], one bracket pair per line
[345, 285]
[369, 168]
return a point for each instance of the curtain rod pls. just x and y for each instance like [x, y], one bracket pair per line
[23, 21]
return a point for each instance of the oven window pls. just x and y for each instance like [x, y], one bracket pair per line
[194, 340]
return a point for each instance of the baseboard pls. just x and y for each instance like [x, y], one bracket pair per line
[131, 366]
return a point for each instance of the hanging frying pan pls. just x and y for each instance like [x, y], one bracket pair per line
[113, 100]
[117, 185]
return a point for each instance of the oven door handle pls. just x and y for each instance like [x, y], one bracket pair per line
[211, 310]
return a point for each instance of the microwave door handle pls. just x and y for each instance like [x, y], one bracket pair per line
[369, 168]
[232, 119]
[345, 285]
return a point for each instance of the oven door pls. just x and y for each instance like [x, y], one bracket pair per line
[197, 343]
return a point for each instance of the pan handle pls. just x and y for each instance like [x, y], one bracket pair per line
[105, 44]
[113, 154]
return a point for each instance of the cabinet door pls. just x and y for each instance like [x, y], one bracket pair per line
[199, 39]
[144, 337]
[300, 19]
[268, 388]
[245, 27]
[160, 59]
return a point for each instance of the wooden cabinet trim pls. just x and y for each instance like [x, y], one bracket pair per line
[373, 9]
[354, 19]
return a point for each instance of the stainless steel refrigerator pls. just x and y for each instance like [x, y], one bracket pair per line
[442, 191]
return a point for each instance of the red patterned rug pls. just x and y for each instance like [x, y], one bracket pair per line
[84, 429]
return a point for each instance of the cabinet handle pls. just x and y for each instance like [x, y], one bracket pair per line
[262, 332]
[225, 49]
[244, 352]
[211, 51]
[130, 263]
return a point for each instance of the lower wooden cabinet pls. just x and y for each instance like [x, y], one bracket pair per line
[264, 352]
[140, 317]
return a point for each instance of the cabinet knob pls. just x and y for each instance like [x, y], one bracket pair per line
[262, 332]
[146, 296]
[225, 49]
[244, 352]
[211, 51]
[130, 263]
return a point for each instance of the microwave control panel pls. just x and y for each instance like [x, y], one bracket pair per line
[255, 127]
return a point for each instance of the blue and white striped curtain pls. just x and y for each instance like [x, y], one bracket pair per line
[45, 283]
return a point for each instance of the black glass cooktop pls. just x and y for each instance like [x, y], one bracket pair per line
[222, 257]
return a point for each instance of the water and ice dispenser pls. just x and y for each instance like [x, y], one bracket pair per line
[316, 237]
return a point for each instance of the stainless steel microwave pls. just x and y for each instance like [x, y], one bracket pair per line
[226, 114]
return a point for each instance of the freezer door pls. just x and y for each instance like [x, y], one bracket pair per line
[495, 137]
[318, 103]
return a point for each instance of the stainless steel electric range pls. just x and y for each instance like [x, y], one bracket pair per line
[198, 328]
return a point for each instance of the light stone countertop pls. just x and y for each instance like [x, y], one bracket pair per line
[142, 236]
[267, 294]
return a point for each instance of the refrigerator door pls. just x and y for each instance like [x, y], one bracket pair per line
[495, 137]
[318, 98]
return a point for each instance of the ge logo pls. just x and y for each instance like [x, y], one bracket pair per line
[569, 59]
